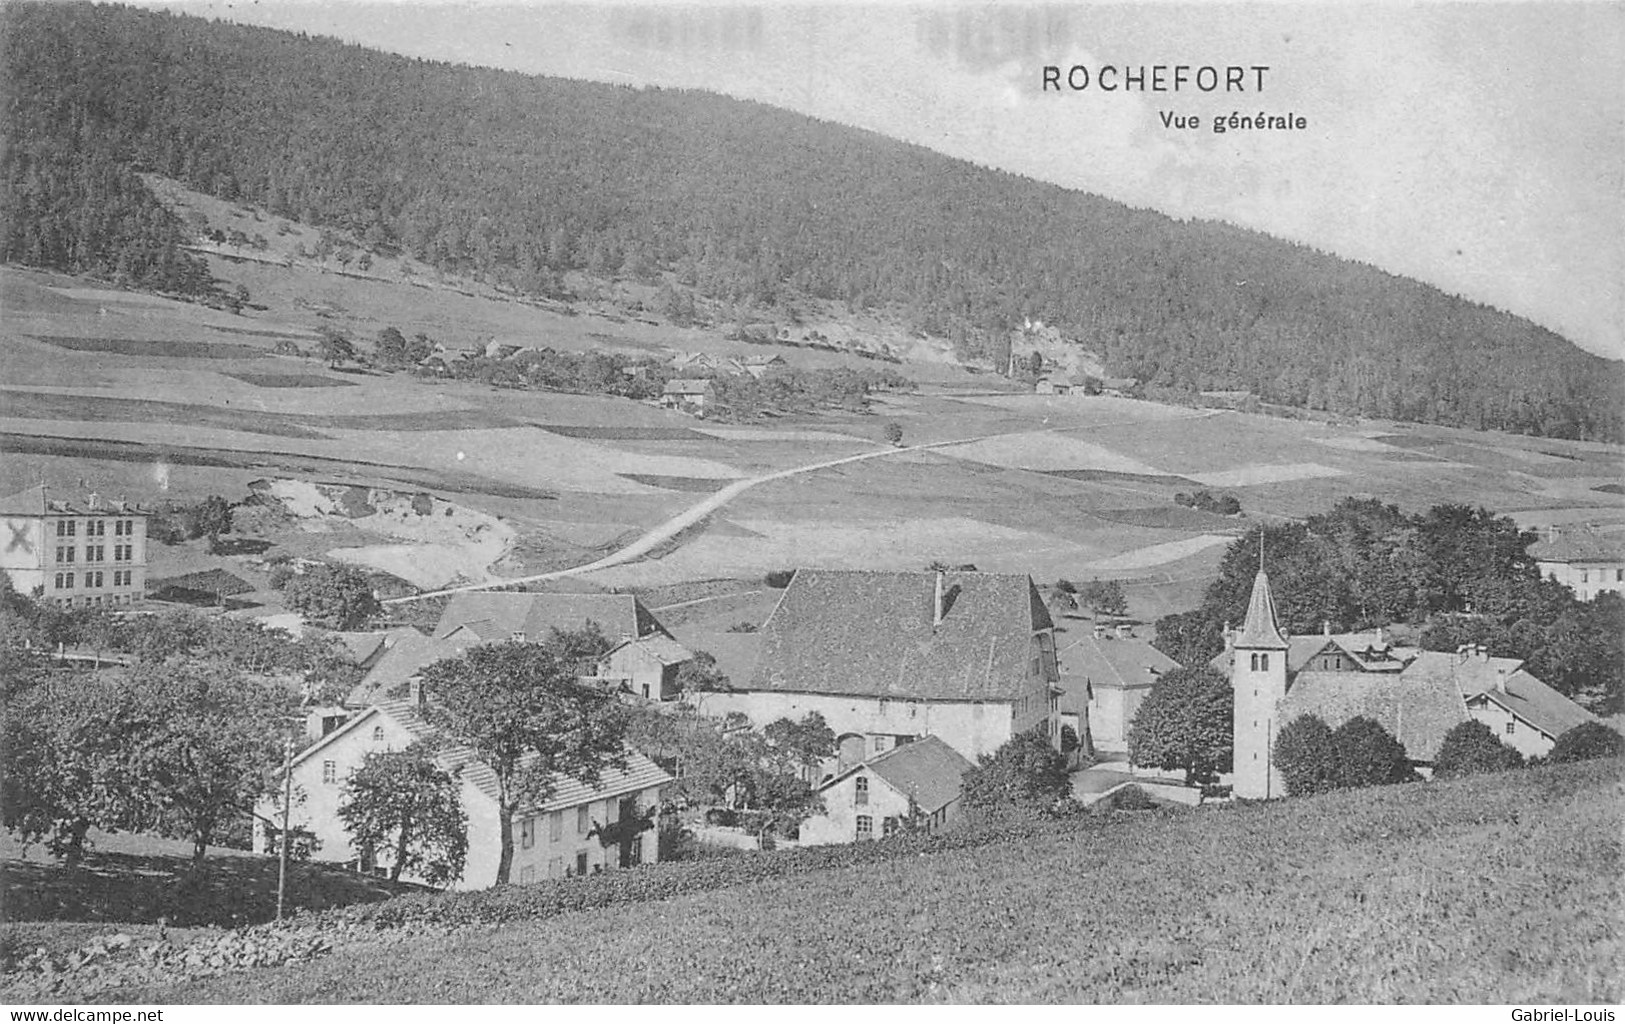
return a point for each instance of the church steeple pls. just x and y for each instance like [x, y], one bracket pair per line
[1261, 630]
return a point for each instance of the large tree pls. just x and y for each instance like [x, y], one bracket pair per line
[1306, 757]
[1025, 774]
[1472, 748]
[1184, 724]
[335, 596]
[521, 709]
[1368, 755]
[402, 801]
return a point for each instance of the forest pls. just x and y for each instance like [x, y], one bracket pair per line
[1463, 574]
[516, 179]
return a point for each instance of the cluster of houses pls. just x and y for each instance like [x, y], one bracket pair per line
[918, 674]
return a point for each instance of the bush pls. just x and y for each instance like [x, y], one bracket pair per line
[1587, 741]
[1132, 798]
[778, 579]
[1026, 773]
[1368, 756]
[1306, 756]
[1472, 748]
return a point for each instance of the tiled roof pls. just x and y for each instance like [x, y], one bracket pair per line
[499, 616]
[1416, 710]
[33, 502]
[872, 634]
[24, 503]
[928, 770]
[662, 648]
[1580, 546]
[1261, 629]
[1124, 663]
[640, 773]
[410, 653]
[736, 653]
[1524, 695]
[1371, 652]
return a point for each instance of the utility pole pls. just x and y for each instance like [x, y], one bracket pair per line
[287, 803]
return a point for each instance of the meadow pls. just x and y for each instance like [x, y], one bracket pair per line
[1498, 889]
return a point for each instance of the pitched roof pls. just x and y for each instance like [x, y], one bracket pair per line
[1507, 683]
[34, 502]
[24, 503]
[408, 654]
[871, 633]
[496, 616]
[1417, 710]
[1580, 546]
[1370, 651]
[736, 654]
[658, 646]
[1120, 662]
[928, 771]
[1261, 629]
[458, 760]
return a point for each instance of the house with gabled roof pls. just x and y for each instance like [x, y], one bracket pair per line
[646, 666]
[889, 657]
[1587, 561]
[689, 395]
[915, 785]
[490, 617]
[555, 838]
[1416, 696]
[1105, 675]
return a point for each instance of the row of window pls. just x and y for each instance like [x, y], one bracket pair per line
[96, 553]
[1602, 575]
[121, 578]
[95, 599]
[95, 528]
[555, 826]
[866, 827]
[1260, 661]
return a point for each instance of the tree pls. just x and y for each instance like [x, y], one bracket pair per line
[1368, 756]
[1104, 598]
[1184, 723]
[214, 517]
[334, 347]
[700, 674]
[61, 776]
[894, 433]
[335, 596]
[1472, 748]
[806, 744]
[1586, 741]
[391, 347]
[401, 800]
[521, 710]
[1025, 774]
[201, 740]
[1306, 756]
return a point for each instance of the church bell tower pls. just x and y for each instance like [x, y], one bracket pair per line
[1258, 678]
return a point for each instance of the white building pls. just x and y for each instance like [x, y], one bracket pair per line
[888, 657]
[916, 785]
[1587, 562]
[550, 839]
[74, 555]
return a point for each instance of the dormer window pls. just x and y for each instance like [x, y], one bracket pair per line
[518, 636]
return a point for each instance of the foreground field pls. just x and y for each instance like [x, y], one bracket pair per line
[1501, 890]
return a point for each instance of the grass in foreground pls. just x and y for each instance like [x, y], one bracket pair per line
[1501, 889]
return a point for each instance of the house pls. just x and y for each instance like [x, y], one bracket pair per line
[551, 838]
[889, 657]
[473, 618]
[1105, 676]
[1417, 696]
[698, 362]
[74, 554]
[1054, 384]
[687, 395]
[758, 366]
[1586, 561]
[915, 785]
[645, 666]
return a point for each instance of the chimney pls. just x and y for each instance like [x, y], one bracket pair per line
[1229, 637]
[936, 604]
[414, 692]
[1500, 680]
[93, 501]
[1380, 641]
[1325, 627]
[1481, 653]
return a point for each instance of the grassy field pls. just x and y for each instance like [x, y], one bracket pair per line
[1498, 889]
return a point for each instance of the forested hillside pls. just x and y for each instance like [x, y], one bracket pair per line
[517, 179]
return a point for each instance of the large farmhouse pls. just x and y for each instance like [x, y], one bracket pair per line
[916, 785]
[1586, 561]
[1106, 674]
[1417, 696]
[889, 657]
[551, 839]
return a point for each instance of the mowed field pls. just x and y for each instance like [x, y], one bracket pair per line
[142, 397]
[1495, 889]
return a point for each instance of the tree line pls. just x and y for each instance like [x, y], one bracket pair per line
[515, 179]
[1464, 574]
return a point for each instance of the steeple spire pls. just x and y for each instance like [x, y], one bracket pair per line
[1261, 629]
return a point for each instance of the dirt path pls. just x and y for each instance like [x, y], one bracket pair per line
[685, 519]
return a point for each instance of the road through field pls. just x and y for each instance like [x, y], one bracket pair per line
[682, 521]
[694, 513]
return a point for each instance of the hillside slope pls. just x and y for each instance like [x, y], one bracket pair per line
[1502, 889]
[517, 178]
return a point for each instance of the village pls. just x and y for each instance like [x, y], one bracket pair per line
[853, 712]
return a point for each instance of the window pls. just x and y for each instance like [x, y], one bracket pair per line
[527, 833]
[67, 581]
[860, 791]
[882, 744]
[330, 772]
[556, 826]
[59, 581]
[581, 862]
[888, 828]
[582, 822]
[527, 874]
[555, 867]
[96, 554]
[866, 827]
[61, 527]
[73, 528]
[64, 554]
[1511, 728]
[93, 579]
[1585, 575]
[96, 528]
[645, 691]
[1263, 662]
[1254, 663]
[118, 528]
[378, 734]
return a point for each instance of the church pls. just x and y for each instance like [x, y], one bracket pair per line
[1416, 695]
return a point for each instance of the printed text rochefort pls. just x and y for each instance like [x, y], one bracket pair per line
[1156, 78]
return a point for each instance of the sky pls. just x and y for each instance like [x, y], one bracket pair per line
[1479, 147]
